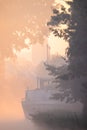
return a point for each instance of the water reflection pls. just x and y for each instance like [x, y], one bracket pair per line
[13, 87]
[23, 125]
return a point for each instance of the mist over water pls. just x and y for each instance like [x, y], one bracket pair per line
[16, 78]
[21, 21]
[14, 83]
[22, 125]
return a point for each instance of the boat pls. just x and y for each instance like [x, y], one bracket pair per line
[39, 101]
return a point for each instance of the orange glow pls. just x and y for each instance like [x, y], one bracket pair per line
[57, 45]
[21, 22]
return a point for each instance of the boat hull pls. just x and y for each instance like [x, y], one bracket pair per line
[33, 109]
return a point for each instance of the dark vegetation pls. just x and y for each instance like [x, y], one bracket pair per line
[76, 70]
[75, 34]
[64, 120]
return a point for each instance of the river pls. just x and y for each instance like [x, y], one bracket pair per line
[23, 125]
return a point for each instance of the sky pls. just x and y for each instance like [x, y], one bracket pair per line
[22, 24]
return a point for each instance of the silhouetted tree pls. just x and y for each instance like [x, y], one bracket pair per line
[75, 32]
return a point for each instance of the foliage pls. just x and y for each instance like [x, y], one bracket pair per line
[71, 25]
[75, 34]
[61, 119]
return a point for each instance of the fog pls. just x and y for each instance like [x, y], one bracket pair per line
[22, 125]
[19, 20]
[23, 23]
[15, 81]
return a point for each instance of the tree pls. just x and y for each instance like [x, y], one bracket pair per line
[74, 32]
[20, 20]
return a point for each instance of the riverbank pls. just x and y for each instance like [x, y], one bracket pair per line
[61, 120]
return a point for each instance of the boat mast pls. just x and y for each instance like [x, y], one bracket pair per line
[47, 52]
